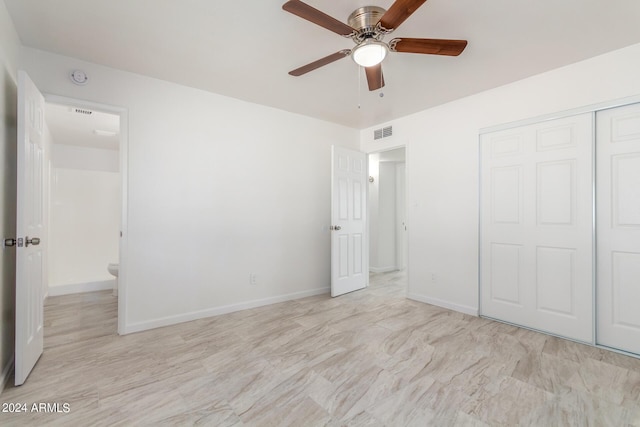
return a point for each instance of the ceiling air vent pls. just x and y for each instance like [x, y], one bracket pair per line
[82, 111]
[383, 132]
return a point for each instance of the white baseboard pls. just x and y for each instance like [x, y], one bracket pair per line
[382, 269]
[6, 374]
[472, 311]
[216, 311]
[76, 288]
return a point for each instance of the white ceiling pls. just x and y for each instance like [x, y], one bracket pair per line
[95, 130]
[244, 49]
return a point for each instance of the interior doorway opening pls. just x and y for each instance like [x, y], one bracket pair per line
[86, 199]
[388, 241]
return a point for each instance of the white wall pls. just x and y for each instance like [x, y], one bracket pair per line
[84, 226]
[84, 158]
[218, 189]
[443, 158]
[85, 218]
[383, 247]
[9, 46]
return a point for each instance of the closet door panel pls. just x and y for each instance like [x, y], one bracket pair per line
[536, 226]
[618, 227]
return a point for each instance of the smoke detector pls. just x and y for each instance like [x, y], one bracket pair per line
[79, 77]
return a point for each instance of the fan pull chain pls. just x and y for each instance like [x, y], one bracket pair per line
[359, 84]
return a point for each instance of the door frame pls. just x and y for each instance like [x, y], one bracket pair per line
[123, 113]
[407, 269]
[401, 229]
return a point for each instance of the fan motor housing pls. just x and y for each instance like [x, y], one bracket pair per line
[364, 20]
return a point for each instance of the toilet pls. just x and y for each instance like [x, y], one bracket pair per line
[113, 270]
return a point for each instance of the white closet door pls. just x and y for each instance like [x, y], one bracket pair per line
[618, 227]
[537, 225]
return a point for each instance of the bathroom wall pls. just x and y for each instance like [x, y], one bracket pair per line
[84, 218]
[9, 46]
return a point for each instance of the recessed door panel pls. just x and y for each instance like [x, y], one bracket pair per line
[343, 255]
[555, 280]
[343, 163]
[624, 278]
[357, 253]
[505, 195]
[625, 127]
[358, 202]
[343, 199]
[505, 273]
[556, 137]
[507, 146]
[556, 193]
[626, 197]
[358, 165]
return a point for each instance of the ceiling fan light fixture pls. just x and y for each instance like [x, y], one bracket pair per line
[369, 53]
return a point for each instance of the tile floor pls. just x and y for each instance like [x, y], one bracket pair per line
[369, 358]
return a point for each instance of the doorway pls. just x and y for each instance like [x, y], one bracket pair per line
[85, 199]
[387, 211]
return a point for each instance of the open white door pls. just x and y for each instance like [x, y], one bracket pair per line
[29, 256]
[349, 233]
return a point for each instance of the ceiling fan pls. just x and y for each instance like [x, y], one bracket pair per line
[367, 27]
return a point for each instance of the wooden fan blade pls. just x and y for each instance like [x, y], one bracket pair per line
[399, 12]
[374, 77]
[311, 14]
[320, 63]
[428, 46]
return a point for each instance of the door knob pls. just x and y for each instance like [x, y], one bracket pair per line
[335, 227]
[7, 243]
[31, 241]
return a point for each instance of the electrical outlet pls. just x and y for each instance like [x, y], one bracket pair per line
[253, 279]
[434, 278]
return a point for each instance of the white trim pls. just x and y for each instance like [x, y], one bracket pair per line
[594, 243]
[562, 114]
[216, 311]
[76, 288]
[472, 311]
[479, 242]
[6, 374]
[123, 112]
[383, 269]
